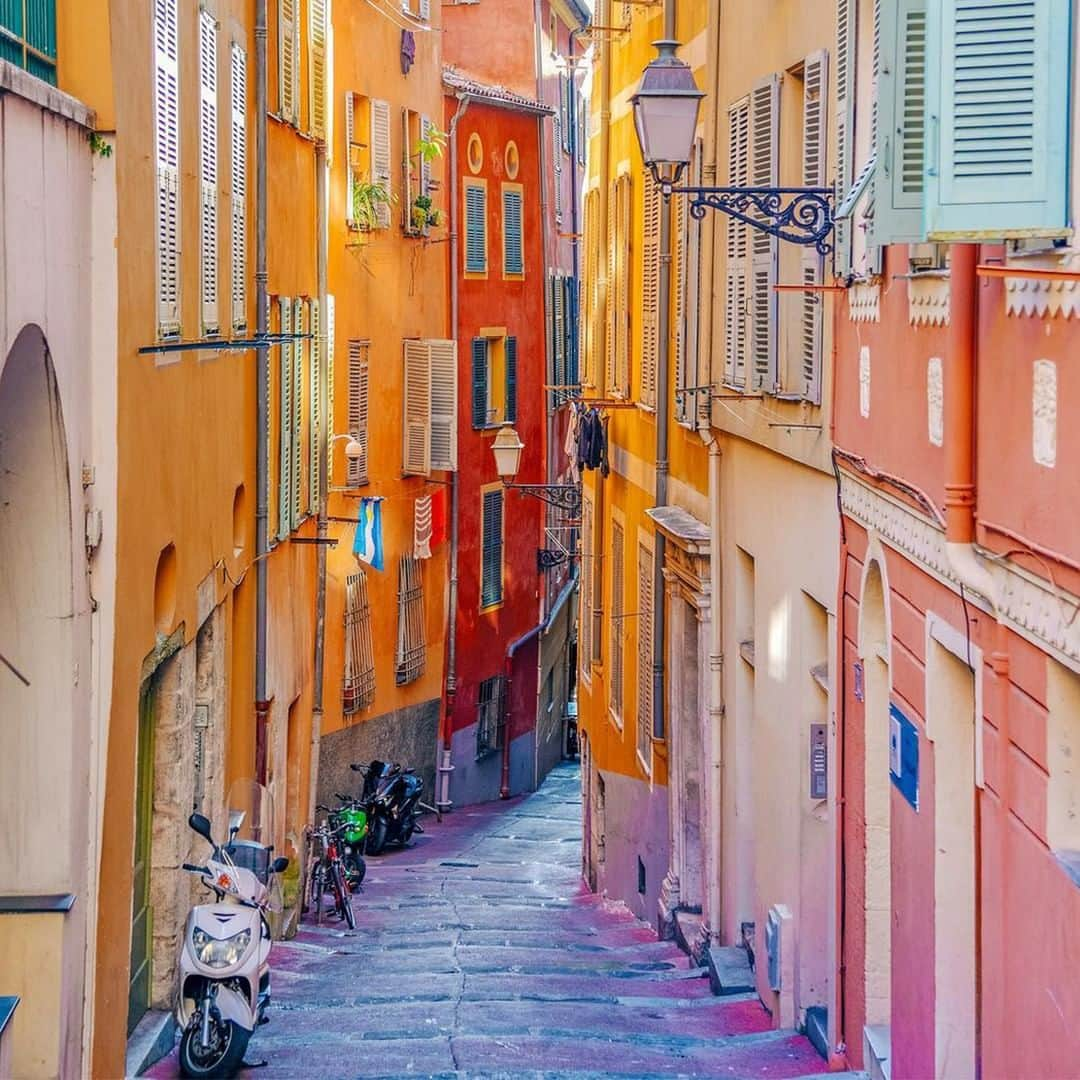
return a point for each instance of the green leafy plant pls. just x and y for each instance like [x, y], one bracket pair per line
[368, 198]
[423, 214]
[431, 146]
[98, 145]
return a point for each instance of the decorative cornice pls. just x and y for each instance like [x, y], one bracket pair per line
[1027, 296]
[864, 302]
[1029, 605]
[928, 300]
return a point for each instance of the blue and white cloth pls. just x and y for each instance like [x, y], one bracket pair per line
[368, 545]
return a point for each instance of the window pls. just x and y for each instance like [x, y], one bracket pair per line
[208, 186]
[430, 406]
[318, 73]
[476, 255]
[616, 628]
[618, 305]
[416, 171]
[167, 150]
[289, 61]
[557, 375]
[645, 655]
[494, 380]
[356, 469]
[585, 625]
[491, 558]
[807, 380]
[367, 175]
[736, 329]
[238, 202]
[28, 36]
[513, 239]
[314, 403]
[411, 644]
[418, 9]
[653, 206]
[358, 687]
[490, 713]
[285, 412]
[591, 328]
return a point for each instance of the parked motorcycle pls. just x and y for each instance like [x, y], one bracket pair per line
[391, 796]
[224, 969]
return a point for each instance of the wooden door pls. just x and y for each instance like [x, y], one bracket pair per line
[141, 914]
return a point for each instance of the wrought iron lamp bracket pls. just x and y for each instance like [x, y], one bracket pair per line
[564, 496]
[549, 558]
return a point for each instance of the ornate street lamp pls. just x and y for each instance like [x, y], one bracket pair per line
[666, 109]
[507, 449]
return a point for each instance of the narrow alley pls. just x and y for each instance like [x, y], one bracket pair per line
[479, 952]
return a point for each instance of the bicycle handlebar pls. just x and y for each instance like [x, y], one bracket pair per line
[196, 869]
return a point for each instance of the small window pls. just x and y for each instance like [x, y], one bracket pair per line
[513, 240]
[411, 643]
[617, 630]
[368, 189]
[491, 559]
[28, 36]
[358, 688]
[489, 716]
[476, 253]
[357, 468]
[494, 381]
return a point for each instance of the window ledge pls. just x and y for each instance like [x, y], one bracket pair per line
[746, 651]
[820, 674]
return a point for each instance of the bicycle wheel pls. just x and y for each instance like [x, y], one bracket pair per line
[318, 887]
[343, 896]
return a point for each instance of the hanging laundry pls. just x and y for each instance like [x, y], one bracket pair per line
[368, 545]
[422, 528]
[439, 530]
[591, 440]
[604, 465]
[570, 446]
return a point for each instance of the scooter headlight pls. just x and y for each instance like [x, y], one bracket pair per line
[220, 953]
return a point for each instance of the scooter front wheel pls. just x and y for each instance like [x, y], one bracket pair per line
[221, 1059]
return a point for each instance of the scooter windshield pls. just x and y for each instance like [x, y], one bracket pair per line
[247, 829]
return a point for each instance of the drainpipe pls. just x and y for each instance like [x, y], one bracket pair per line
[262, 424]
[322, 241]
[446, 732]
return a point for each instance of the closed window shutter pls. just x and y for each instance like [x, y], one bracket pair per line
[238, 202]
[208, 186]
[570, 288]
[288, 62]
[317, 66]
[764, 172]
[330, 424]
[510, 412]
[417, 406]
[406, 175]
[285, 383]
[582, 129]
[557, 127]
[736, 292]
[594, 324]
[358, 682]
[479, 382]
[615, 684]
[350, 176]
[585, 630]
[997, 118]
[475, 229]
[425, 9]
[315, 419]
[845, 125]
[297, 443]
[444, 373]
[558, 320]
[167, 146]
[650, 289]
[645, 653]
[551, 356]
[815, 86]
[899, 123]
[425, 165]
[513, 250]
[380, 157]
[356, 470]
[491, 569]
[625, 261]
[269, 487]
[611, 302]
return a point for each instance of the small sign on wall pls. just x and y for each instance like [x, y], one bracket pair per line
[904, 755]
[819, 762]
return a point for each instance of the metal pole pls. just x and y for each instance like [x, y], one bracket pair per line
[262, 425]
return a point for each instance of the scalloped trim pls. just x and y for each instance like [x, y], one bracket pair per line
[928, 301]
[864, 302]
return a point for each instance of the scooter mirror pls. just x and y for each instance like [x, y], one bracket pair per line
[201, 825]
[236, 819]
[358, 768]
[280, 865]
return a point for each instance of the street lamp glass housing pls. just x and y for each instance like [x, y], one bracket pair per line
[507, 449]
[353, 450]
[666, 109]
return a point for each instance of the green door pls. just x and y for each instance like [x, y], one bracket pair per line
[141, 915]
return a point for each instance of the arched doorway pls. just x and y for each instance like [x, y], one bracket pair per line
[874, 635]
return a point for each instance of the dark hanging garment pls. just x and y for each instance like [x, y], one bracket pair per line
[605, 466]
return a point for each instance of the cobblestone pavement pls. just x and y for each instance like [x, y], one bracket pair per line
[479, 953]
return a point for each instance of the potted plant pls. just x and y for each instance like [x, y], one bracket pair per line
[368, 198]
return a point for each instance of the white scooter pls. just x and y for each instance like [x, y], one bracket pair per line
[224, 979]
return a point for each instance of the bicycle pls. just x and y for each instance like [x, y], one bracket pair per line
[329, 870]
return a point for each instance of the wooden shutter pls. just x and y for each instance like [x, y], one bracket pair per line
[380, 157]
[611, 301]
[571, 289]
[238, 201]
[417, 408]
[764, 172]
[585, 628]
[736, 292]
[479, 382]
[407, 193]
[475, 228]
[317, 66]
[268, 490]
[846, 48]
[285, 383]
[296, 439]
[315, 417]
[288, 62]
[167, 146]
[491, 560]
[615, 624]
[815, 88]
[350, 175]
[425, 9]
[594, 323]
[625, 261]
[510, 411]
[997, 118]
[444, 401]
[650, 288]
[513, 247]
[557, 138]
[645, 653]
[356, 471]
[899, 123]
[208, 178]
[425, 165]
[358, 687]
[558, 331]
[330, 423]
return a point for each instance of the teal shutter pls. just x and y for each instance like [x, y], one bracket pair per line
[997, 118]
[475, 229]
[510, 412]
[513, 251]
[571, 306]
[898, 178]
[479, 382]
[491, 556]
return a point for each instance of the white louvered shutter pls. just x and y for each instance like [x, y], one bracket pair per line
[611, 302]
[288, 62]
[238, 179]
[330, 425]
[815, 88]
[416, 453]
[650, 288]
[736, 290]
[444, 401]
[315, 419]
[167, 148]
[285, 383]
[208, 172]
[557, 139]
[845, 120]
[425, 165]
[298, 350]
[317, 65]
[350, 176]
[645, 653]
[764, 172]
[357, 468]
[380, 157]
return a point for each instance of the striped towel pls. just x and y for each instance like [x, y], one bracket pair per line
[368, 545]
[422, 528]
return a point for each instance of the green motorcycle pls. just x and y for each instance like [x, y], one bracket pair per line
[351, 818]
